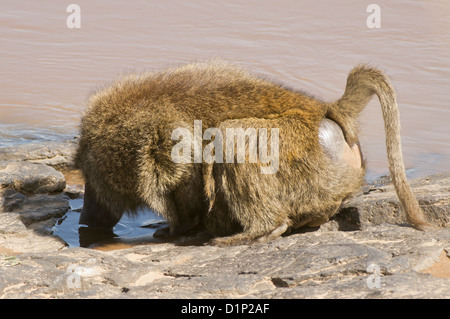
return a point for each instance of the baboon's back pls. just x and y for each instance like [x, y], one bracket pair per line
[128, 125]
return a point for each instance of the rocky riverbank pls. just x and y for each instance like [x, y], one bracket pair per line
[366, 251]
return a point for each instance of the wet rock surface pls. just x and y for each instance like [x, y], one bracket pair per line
[366, 251]
[52, 153]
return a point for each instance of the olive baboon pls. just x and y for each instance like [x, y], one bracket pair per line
[125, 151]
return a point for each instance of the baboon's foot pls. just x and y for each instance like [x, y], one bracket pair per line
[317, 222]
[248, 239]
[313, 223]
[171, 232]
[163, 233]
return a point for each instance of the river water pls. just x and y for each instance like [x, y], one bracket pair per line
[48, 70]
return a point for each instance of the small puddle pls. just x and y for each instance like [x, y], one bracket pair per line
[129, 231]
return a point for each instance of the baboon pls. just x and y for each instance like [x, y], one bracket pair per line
[125, 149]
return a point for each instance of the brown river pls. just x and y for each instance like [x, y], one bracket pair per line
[49, 69]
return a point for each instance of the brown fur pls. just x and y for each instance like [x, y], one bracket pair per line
[362, 83]
[125, 151]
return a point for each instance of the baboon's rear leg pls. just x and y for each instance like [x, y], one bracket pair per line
[317, 219]
[183, 208]
[248, 237]
[95, 214]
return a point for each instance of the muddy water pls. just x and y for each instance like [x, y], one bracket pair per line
[48, 70]
[127, 232]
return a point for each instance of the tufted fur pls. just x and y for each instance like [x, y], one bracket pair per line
[125, 147]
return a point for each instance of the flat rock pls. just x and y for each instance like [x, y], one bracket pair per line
[27, 223]
[378, 205]
[384, 261]
[52, 153]
[31, 178]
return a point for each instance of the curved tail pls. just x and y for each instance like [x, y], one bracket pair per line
[362, 83]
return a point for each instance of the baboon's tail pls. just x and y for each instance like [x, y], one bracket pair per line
[362, 83]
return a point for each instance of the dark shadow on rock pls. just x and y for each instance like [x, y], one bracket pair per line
[348, 219]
